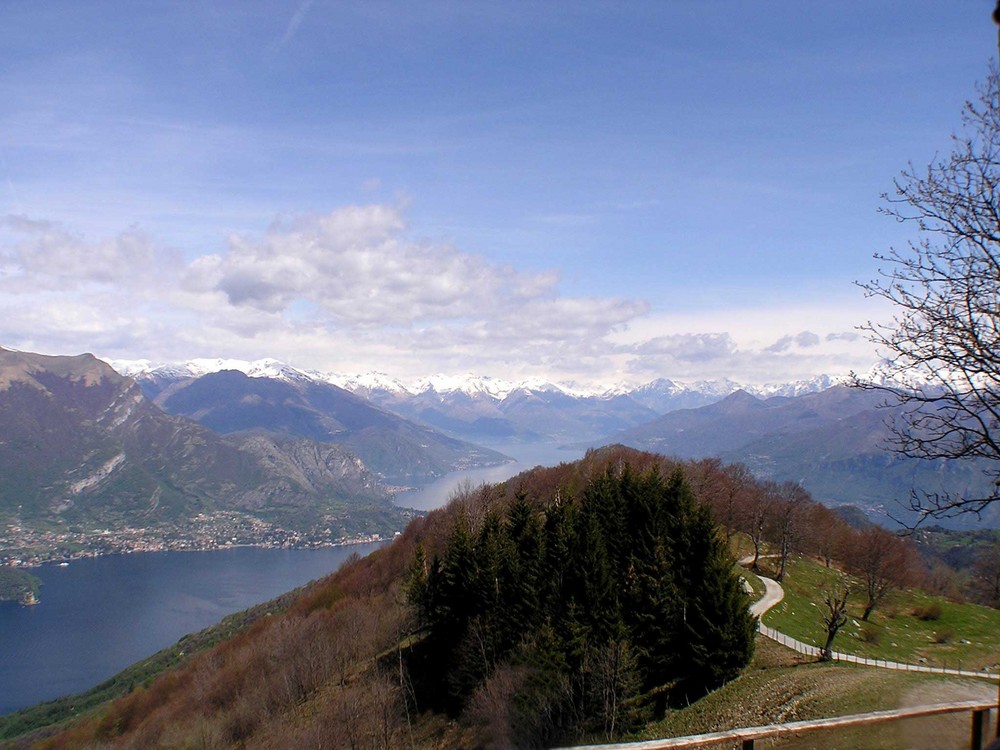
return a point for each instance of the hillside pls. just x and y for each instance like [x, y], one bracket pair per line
[82, 448]
[833, 442]
[349, 662]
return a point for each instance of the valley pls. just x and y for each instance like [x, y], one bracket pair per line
[499, 376]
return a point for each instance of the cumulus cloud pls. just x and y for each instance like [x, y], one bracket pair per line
[803, 340]
[688, 347]
[356, 268]
[317, 289]
[352, 290]
[355, 264]
[42, 255]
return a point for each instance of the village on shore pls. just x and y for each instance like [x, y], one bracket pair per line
[25, 547]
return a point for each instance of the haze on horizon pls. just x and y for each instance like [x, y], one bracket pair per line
[594, 193]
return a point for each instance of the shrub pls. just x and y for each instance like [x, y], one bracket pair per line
[943, 636]
[870, 634]
[928, 612]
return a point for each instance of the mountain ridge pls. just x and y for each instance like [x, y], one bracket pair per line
[834, 442]
[482, 408]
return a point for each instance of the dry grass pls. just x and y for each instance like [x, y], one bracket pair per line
[781, 687]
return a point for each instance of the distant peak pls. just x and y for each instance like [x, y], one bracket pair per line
[738, 400]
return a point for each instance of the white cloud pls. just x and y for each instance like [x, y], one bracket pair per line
[357, 269]
[42, 255]
[689, 347]
[803, 340]
[351, 290]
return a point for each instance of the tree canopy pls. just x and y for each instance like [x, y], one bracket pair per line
[625, 590]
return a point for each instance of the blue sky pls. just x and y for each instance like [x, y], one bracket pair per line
[587, 191]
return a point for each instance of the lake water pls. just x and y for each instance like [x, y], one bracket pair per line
[526, 456]
[99, 615]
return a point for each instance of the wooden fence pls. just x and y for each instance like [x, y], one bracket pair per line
[747, 737]
[871, 661]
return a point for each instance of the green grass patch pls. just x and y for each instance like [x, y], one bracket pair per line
[755, 583]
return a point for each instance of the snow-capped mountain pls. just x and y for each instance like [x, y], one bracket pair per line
[654, 392]
[480, 407]
[195, 368]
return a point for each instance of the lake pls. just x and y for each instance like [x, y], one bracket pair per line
[526, 456]
[99, 615]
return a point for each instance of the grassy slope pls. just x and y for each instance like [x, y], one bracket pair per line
[966, 636]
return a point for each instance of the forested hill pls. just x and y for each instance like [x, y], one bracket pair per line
[566, 603]
[600, 607]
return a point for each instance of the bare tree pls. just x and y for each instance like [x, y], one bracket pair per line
[834, 617]
[724, 488]
[790, 499]
[614, 670]
[941, 351]
[986, 573]
[882, 561]
[823, 533]
[754, 518]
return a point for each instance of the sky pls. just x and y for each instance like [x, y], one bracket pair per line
[588, 192]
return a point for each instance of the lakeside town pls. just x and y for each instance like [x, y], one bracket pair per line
[24, 547]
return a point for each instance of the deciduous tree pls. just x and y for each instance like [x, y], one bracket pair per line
[986, 572]
[882, 561]
[941, 351]
[834, 616]
[790, 500]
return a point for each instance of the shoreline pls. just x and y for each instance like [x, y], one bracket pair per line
[64, 560]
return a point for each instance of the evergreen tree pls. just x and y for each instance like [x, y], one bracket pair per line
[626, 588]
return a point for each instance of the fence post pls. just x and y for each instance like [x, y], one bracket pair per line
[978, 729]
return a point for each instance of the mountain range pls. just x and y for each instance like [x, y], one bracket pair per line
[231, 402]
[83, 443]
[832, 441]
[481, 408]
[829, 437]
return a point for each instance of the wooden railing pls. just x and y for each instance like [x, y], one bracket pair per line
[747, 737]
